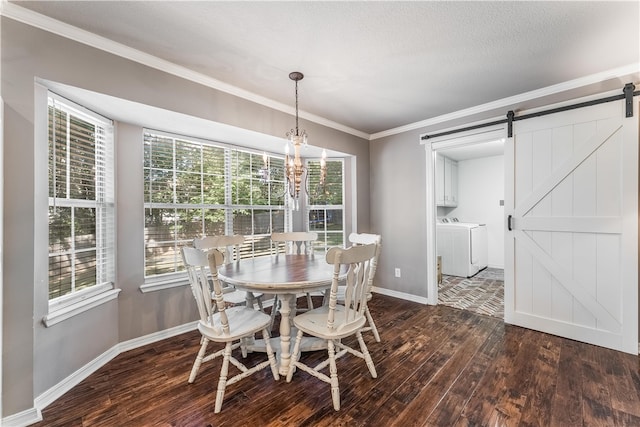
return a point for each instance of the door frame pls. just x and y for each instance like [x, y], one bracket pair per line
[1, 242]
[431, 147]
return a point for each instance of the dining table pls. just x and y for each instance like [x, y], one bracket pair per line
[285, 276]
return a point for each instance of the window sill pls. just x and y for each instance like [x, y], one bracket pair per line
[65, 312]
[165, 283]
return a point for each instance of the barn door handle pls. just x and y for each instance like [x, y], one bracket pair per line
[509, 218]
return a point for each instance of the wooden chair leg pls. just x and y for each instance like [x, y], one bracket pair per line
[335, 388]
[243, 347]
[274, 311]
[309, 301]
[295, 355]
[259, 301]
[222, 381]
[376, 335]
[198, 361]
[367, 356]
[271, 355]
[252, 301]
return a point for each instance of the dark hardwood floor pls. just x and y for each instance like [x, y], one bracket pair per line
[437, 366]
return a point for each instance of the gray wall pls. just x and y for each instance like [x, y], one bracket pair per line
[37, 358]
[398, 211]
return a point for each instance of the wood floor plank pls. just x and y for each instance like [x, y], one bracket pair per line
[421, 407]
[498, 398]
[620, 380]
[537, 411]
[596, 398]
[390, 409]
[393, 359]
[450, 409]
[624, 419]
[444, 366]
[566, 409]
[398, 358]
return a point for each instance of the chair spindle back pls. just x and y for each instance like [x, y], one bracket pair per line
[199, 264]
[358, 239]
[294, 243]
[359, 260]
[228, 245]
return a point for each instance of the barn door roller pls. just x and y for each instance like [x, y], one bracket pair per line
[628, 98]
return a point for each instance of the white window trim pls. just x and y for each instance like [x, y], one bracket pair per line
[79, 302]
[67, 306]
[165, 281]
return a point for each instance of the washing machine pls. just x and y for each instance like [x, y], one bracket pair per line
[462, 247]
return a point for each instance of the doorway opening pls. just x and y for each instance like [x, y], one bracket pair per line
[468, 222]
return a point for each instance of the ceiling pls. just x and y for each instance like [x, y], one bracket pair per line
[475, 150]
[372, 67]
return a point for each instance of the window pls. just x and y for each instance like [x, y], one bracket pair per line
[257, 207]
[81, 201]
[194, 188]
[326, 204]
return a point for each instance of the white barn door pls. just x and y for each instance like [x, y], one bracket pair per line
[571, 256]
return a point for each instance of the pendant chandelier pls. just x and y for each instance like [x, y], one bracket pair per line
[296, 173]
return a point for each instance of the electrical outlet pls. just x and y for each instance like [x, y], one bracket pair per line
[397, 272]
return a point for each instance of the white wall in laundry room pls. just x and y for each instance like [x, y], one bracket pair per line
[480, 192]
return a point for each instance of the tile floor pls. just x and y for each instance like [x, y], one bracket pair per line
[481, 294]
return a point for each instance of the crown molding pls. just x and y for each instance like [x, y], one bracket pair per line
[34, 19]
[517, 99]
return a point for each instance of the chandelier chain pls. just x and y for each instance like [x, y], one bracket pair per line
[297, 134]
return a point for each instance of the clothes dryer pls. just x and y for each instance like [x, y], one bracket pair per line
[462, 247]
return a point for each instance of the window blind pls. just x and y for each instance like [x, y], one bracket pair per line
[195, 188]
[326, 204]
[81, 199]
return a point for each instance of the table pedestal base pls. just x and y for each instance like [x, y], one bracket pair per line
[307, 344]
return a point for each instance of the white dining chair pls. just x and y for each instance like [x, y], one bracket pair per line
[230, 247]
[293, 243]
[334, 321]
[221, 324]
[366, 239]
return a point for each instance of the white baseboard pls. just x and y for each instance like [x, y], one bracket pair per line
[401, 295]
[49, 396]
[155, 337]
[22, 419]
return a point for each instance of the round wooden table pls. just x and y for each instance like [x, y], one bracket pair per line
[286, 276]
